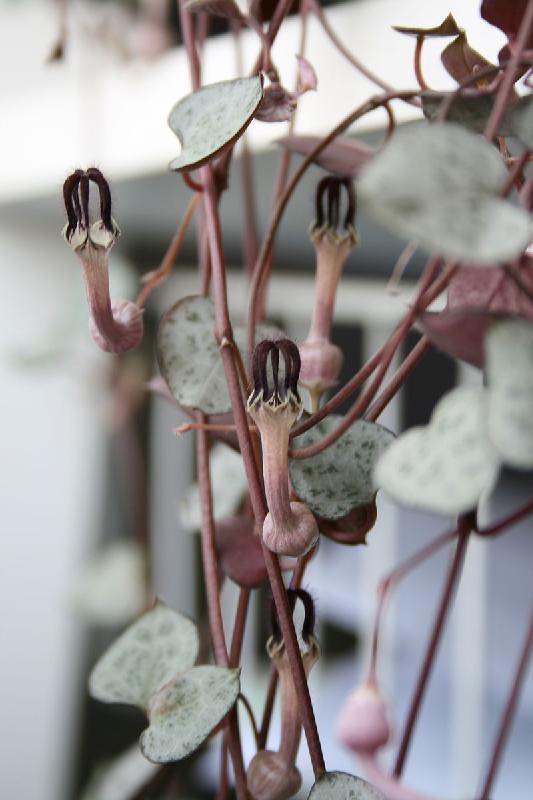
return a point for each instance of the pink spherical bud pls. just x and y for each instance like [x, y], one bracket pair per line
[321, 364]
[363, 724]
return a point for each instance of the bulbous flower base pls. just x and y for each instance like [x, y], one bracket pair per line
[128, 328]
[270, 778]
[294, 536]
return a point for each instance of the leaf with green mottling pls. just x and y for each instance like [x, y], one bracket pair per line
[519, 120]
[470, 111]
[439, 185]
[184, 712]
[509, 361]
[339, 478]
[447, 465]
[189, 357]
[212, 118]
[146, 656]
[342, 786]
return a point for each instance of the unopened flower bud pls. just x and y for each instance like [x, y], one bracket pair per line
[363, 724]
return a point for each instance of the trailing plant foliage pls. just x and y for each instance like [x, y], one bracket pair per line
[447, 183]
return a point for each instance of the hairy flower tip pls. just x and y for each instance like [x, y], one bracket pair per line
[328, 203]
[128, 319]
[269, 777]
[363, 724]
[308, 625]
[269, 388]
[76, 190]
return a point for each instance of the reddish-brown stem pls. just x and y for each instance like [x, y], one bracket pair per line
[398, 379]
[191, 183]
[418, 63]
[213, 428]
[508, 713]
[510, 74]
[268, 241]
[223, 330]
[368, 394]
[187, 33]
[507, 522]
[315, 7]
[295, 583]
[283, 166]
[387, 583]
[401, 265]
[513, 178]
[152, 279]
[450, 584]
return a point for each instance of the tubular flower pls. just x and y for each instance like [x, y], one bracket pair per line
[322, 360]
[115, 326]
[272, 774]
[289, 527]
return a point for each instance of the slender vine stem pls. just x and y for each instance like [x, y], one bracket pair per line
[507, 522]
[450, 584]
[268, 241]
[386, 584]
[508, 713]
[223, 330]
[418, 63]
[398, 379]
[510, 74]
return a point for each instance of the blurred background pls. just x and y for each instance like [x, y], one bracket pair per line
[93, 478]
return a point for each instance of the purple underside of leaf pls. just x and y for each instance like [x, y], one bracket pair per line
[491, 289]
[220, 8]
[448, 27]
[353, 528]
[460, 60]
[241, 552]
[460, 334]
[344, 157]
[506, 15]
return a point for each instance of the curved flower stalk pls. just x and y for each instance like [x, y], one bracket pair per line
[322, 360]
[272, 774]
[289, 528]
[116, 326]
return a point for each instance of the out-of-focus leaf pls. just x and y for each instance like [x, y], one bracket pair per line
[121, 563]
[342, 786]
[510, 396]
[448, 27]
[343, 157]
[445, 466]
[146, 656]
[209, 120]
[518, 120]
[460, 60]
[221, 8]
[189, 357]
[477, 296]
[307, 80]
[339, 478]
[185, 711]
[439, 185]
[506, 15]
[241, 552]
[228, 484]
[471, 112]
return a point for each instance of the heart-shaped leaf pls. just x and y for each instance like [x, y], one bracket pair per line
[447, 465]
[448, 27]
[121, 563]
[438, 185]
[212, 118]
[189, 358]
[184, 712]
[510, 404]
[477, 297]
[228, 484]
[506, 15]
[354, 527]
[339, 478]
[519, 120]
[460, 60]
[343, 157]
[471, 112]
[241, 552]
[342, 786]
[147, 655]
